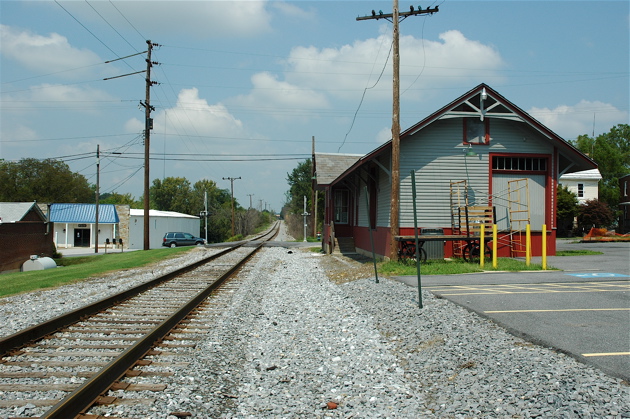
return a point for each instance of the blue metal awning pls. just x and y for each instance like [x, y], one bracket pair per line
[83, 213]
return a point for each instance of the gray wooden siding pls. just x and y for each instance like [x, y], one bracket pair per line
[536, 189]
[437, 155]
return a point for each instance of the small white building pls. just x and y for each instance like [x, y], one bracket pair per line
[74, 225]
[160, 223]
[584, 184]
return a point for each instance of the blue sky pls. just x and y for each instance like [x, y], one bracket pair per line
[244, 86]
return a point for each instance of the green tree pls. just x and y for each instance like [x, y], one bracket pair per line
[219, 209]
[172, 194]
[47, 180]
[300, 185]
[567, 209]
[120, 199]
[611, 152]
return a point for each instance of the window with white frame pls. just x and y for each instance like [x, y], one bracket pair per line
[580, 190]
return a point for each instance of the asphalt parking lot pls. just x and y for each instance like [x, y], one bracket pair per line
[582, 310]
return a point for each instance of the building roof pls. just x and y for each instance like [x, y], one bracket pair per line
[592, 174]
[83, 213]
[11, 212]
[156, 213]
[329, 166]
[485, 102]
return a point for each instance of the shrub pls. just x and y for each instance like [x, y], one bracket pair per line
[595, 214]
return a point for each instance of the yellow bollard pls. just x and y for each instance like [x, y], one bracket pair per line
[482, 245]
[528, 245]
[494, 246]
[544, 247]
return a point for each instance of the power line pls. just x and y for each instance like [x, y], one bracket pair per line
[363, 95]
[110, 25]
[86, 28]
[124, 17]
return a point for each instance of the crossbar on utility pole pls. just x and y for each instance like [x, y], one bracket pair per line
[232, 179]
[395, 18]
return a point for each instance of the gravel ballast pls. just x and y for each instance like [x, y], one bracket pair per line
[292, 343]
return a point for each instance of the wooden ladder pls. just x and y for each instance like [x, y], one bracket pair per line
[518, 208]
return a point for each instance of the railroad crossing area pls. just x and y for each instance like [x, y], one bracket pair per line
[582, 310]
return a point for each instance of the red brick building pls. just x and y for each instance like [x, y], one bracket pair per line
[24, 231]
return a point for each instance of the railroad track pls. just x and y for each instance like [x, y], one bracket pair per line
[63, 367]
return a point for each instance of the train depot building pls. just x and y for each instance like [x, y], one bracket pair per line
[478, 161]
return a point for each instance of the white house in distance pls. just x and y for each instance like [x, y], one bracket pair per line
[584, 184]
[160, 222]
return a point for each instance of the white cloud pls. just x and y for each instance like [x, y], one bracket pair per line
[195, 121]
[291, 10]
[202, 19]
[344, 71]
[570, 121]
[59, 97]
[50, 54]
[281, 97]
[384, 135]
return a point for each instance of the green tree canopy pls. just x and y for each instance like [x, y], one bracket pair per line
[47, 180]
[171, 194]
[567, 209]
[120, 199]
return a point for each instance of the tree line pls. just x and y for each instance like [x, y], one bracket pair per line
[52, 181]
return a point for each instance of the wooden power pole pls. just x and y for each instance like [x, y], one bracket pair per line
[232, 179]
[148, 126]
[396, 17]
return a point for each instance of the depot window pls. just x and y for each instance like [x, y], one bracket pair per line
[476, 131]
[524, 164]
[341, 206]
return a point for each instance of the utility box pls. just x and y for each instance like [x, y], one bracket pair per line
[35, 263]
[434, 249]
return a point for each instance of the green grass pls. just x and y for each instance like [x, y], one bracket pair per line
[75, 269]
[456, 266]
[580, 252]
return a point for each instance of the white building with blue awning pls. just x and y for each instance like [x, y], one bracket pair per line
[74, 225]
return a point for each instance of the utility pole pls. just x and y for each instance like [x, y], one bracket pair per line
[396, 17]
[313, 187]
[250, 199]
[205, 212]
[148, 126]
[305, 214]
[98, 177]
[232, 179]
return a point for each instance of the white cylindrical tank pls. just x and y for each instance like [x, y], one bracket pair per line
[36, 263]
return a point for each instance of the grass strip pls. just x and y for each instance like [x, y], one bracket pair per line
[454, 267]
[75, 269]
[579, 252]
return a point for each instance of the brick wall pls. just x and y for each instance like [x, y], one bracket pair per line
[18, 241]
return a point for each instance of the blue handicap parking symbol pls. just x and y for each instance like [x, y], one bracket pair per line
[599, 275]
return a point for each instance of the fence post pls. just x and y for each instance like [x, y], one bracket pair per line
[544, 247]
[494, 246]
[528, 245]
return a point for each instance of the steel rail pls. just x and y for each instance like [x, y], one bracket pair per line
[39, 331]
[84, 396]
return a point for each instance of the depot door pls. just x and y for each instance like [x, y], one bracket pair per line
[81, 237]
